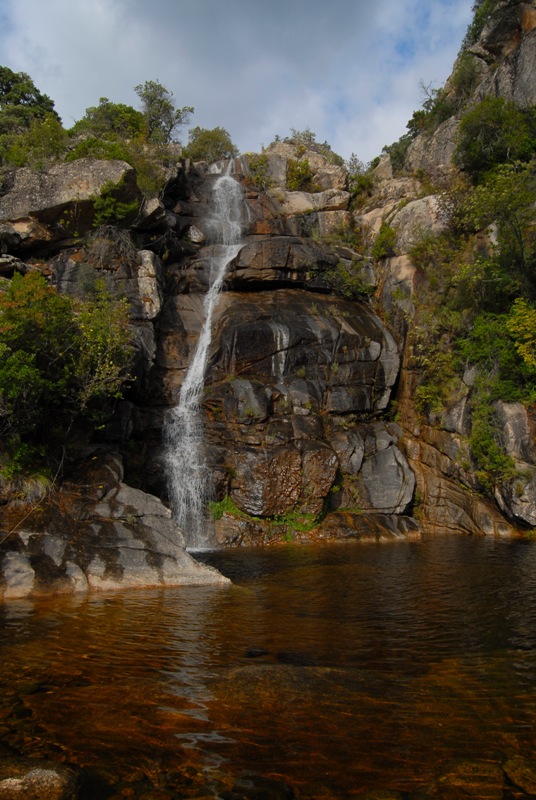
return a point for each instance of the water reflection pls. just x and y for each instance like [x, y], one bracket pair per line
[338, 668]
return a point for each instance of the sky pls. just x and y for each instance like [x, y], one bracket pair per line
[351, 71]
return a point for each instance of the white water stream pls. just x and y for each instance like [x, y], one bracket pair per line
[188, 474]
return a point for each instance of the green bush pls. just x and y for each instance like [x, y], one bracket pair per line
[109, 210]
[209, 145]
[259, 174]
[58, 360]
[299, 175]
[482, 11]
[110, 121]
[493, 132]
[383, 247]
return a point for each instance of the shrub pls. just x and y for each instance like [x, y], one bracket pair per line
[109, 209]
[58, 359]
[493, 132]
[383, 247]
[299, 175]
[259, 175]
[110, 121]
[209, 145]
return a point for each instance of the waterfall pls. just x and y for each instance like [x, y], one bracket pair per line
[188, 474]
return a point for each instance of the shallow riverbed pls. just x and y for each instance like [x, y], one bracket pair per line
[334, 669]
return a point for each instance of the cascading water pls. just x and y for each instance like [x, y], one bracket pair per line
[188, 475]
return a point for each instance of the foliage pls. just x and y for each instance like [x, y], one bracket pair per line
[104, 347]
[437, 107]
[360, 178]
[161, 117]
[383, 247]
[521, 325]
[104, 149]
[57, 359]
[350, 280]
[21, 102]
[299, 175]
[42, 142]
[493, 465]
[259, 171]
[109, 209]
[505, 198]
[110, 120]
[306, 140]
[397, 152]
[209, 145]
[482, 11]
[493, 132]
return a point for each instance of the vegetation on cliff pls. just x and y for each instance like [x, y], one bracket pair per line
[60, 360]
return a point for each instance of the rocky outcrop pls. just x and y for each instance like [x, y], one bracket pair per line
[43, 208]
[298, 411]
[95, 533]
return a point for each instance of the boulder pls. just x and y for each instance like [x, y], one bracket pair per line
[96, 533]
[41, 208]
[417, 219]
[39, 782]
[150, 284]
[432, 152]
[305, 202]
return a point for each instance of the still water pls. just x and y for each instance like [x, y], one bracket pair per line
[336, 669]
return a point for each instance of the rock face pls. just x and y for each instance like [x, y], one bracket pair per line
[303, 383]
[47, 207]
[96, 534]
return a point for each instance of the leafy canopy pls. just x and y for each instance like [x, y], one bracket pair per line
[60, 359]
[110, 120]
[21, 101]
[209, 145]
[161, 117]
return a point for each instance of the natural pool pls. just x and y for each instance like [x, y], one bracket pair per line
[335, 669]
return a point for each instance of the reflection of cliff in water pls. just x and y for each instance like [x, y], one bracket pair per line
[357, 655]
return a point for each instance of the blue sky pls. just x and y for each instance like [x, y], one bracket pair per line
[350, 70]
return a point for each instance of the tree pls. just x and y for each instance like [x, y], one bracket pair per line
[21, 101]
[110, 120]
[44, 141]
[494, 132]
[58, 359]
[161, 116]
[209, 145]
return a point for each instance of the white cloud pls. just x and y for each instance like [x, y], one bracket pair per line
[347, 69]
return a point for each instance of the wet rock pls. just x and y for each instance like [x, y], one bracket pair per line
[37, 783]
[478, 779]
[522, 773]
[257, 787]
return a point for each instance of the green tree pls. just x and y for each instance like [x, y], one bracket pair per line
[21, 101]
[209, 145]
[57, 360]
[521, 325]
[44, 141]
[493, 132]
[110, 120]
[161, 117]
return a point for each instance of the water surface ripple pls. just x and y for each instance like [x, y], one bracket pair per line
[337, 669]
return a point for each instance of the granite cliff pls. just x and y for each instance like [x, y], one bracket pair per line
[310, 420]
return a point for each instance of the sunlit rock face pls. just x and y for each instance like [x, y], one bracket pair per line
[297, 376]
[95, 534]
